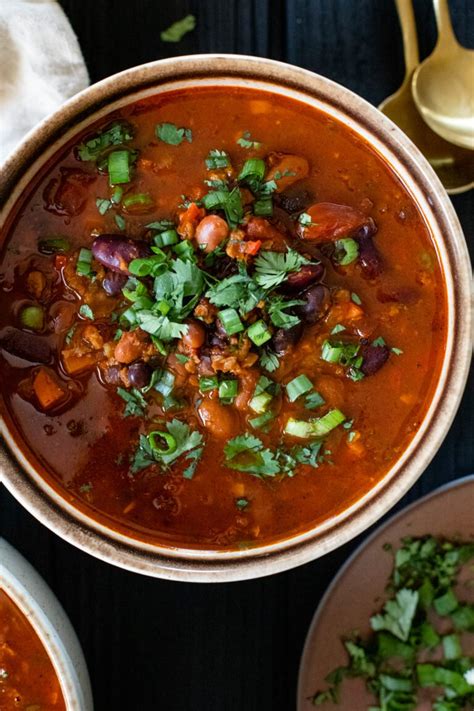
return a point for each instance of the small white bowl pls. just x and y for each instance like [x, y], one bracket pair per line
[37, 602]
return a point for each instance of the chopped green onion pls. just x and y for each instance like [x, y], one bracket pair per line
[166, 238]
[120, 222]
[206, 383]
[215, 200]
[445, 604]
[313, 400]
[184, 250]
[138, 199]
[157, 435]
[53, 245]
[259, 333]
[331, 354]
[262, 420]
[119, 167]
[263, 206]
[260, 402]
[347, 251]
[103, 205]
[165, 384]
[397, 351]
[228, 390]
[84, 261]
[337, 329]
[241, 504]
[379, 341]
[252, 172]
[452, 646]
[116, 195]
[230, 321]
[32, 317]
[298, 386]
[314, 428]
[356, 299]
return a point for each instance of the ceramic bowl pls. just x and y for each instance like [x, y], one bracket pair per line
[37, 602]
[52, 508]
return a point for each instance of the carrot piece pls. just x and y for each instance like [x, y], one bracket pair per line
[47, 389]
[74, 363]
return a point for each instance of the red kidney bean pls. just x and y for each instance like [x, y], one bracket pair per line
[330, 221]
[374, 357]
[369, 257]
[114, 282]
[284, 338]
[66, 194]
[308, 274]
[34, 349]
[116, 252]
[317, 300]
[139, 374]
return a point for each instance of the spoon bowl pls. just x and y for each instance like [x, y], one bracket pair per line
[443, 85]
[454, 165]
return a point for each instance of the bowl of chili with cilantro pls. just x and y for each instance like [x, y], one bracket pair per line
[42, 667]
[233, 317]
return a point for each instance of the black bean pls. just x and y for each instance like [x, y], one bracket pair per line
[369, 257]
[114, 282]
[374, 358]
[317, 300]
[116, 252]
[139, 374]
[308, 274]
[284, 338]
[33, 348]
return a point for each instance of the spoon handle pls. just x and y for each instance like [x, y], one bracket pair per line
[446, 34]
[410, 40]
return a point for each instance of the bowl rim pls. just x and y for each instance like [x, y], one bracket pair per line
[179, 563]
[40, 606]
[353, 556]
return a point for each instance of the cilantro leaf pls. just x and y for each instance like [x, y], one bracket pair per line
[185, 440]
[136, 403]
[272, 268]
[245, 141]
[172, 135]
[269, 360]
[277, 306]
[239, 291]
[176, 31]
[116, 134]
[397, 614]
[246, 453]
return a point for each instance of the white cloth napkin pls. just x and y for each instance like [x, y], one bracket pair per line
[41, 66]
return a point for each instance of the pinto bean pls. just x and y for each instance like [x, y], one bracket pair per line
[317, 300]
[28, 346]
[211, 231]
[284, 338]
[116, 252]
[139, 374]
[330, 221]
[195, 335]
[220, 420]
[374, 357]
[289, 166]
[308, 274]
[114, 282]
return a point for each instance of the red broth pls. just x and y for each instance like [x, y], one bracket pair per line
[65, 403]
[27, 677]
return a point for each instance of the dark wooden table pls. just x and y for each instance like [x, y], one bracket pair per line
[158, 645]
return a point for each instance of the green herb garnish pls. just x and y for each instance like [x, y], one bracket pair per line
[172, 135]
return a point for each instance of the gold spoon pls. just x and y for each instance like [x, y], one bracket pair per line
[453, 165]
[443, 85]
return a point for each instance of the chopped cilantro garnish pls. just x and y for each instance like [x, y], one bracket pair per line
[356, 299]
[241, 504]
[103, 204]
[86, 311]
[246, 453]
[217, 159]
[136, 403]
[116, 134]
[176, 31]
[272, 268]
[245, 141]
[172, 135]
[120, 222]
[393, 660]
[178, 438]
[397, 351]
[277, 306]
[305, 220]
[269, 360]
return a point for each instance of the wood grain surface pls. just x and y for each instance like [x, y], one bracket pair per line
[163, 646]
